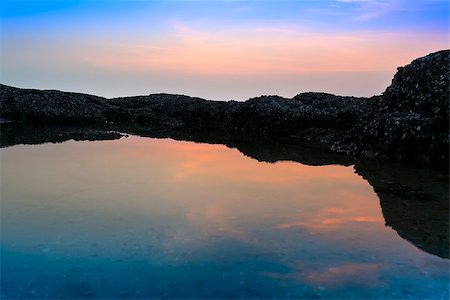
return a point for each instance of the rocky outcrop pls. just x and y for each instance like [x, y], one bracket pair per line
[50, 107]
[408, 123]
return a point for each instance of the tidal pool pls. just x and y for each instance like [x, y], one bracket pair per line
[158, 218]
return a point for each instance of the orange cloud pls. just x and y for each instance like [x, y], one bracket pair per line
[256, 50]
[354, 208]
[331, 222]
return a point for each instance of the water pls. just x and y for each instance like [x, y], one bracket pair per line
[159, 218]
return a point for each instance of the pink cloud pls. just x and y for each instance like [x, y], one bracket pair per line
[258, 50]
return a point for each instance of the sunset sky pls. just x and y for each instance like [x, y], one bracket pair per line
[216, 49]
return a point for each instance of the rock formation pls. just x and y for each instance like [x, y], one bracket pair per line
[407, 124]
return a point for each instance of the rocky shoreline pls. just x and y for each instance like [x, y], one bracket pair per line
[408, 123]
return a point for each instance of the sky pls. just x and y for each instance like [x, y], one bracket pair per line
[219, 50]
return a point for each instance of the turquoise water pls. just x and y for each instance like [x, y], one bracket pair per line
[158, 218]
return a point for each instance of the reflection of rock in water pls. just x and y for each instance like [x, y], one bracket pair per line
[14, 134]
[423, 223]
[414, 201]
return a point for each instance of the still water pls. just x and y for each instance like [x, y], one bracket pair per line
[159, 218]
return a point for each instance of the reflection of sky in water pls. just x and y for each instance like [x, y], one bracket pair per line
[143, 217]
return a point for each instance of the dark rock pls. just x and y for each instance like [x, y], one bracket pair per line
[410, 122]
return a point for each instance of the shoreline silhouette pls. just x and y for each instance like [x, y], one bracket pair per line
[408, 123]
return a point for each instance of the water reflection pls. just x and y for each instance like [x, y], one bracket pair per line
[415, 203]
[141, 217]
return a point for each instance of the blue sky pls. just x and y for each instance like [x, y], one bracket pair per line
[331, 14]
